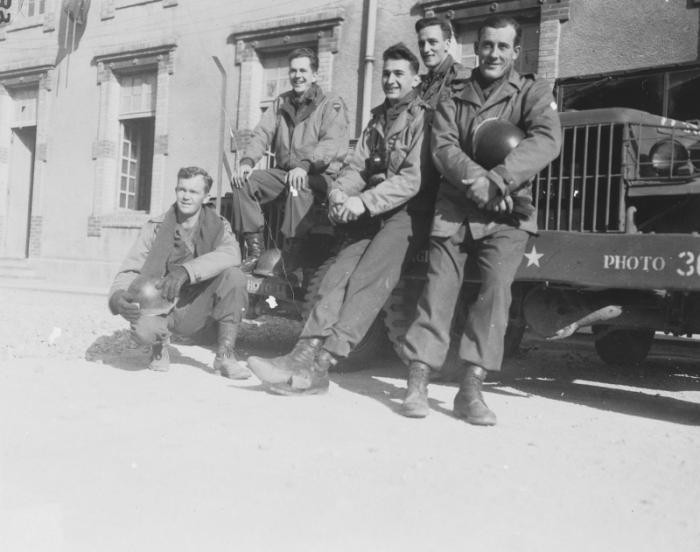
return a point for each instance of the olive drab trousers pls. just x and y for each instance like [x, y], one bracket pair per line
[498, 256]
[223, 298]
[267, 185]
[361, 279]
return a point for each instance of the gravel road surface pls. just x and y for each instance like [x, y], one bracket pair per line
[99, 454]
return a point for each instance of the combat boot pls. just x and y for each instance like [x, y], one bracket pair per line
[469, 403]
[415, 404]
[225, 360]
[254, 248]
[309, 380]
[160, 358]
[280, 369]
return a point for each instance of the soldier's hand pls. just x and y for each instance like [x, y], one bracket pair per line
[501, 205]
[123, 303]
[298, 180]
[481, 190]
[352, 209]
[241, 178]
[336, 200]
[376, 179]
[173, 281]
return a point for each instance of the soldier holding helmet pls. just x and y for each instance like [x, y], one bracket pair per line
[191, 256]
[475, 216]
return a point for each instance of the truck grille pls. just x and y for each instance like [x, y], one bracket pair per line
[583, 189]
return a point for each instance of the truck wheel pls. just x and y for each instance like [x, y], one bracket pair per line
[373, 345]
[622, 347]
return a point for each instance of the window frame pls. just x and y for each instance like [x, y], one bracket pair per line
[664, 72]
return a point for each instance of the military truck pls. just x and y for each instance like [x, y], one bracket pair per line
[618, 248]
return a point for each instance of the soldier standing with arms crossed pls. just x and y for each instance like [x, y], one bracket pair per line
[474, 215]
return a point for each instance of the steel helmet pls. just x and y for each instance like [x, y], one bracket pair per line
[144, 292]
[269, 263]
[493, 140]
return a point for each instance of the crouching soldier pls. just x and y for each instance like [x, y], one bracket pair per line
[306, 129]
[372, 193]
[193, 258]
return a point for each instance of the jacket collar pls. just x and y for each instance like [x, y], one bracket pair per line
[443, 68]
[510, 86]
[298, 109]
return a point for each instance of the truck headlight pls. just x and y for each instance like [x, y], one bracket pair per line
[670, 158]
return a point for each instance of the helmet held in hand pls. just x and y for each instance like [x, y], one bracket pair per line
[144, 292]
[493, 140]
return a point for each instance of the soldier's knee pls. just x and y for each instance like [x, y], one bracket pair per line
[233, 277]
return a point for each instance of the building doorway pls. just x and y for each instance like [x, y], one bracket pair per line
[19, 192]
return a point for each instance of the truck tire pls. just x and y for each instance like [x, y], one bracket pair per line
[625, 347]
[372, 346]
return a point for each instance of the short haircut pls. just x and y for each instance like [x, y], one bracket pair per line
[500, 21]
[444, 24]
[191, 172]
[307, 53]
[401, 51]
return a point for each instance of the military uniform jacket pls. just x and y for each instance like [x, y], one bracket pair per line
[439, 80]
[225, 254]
[398, 133]
[435, 84]
[525, 101]
[311, 137]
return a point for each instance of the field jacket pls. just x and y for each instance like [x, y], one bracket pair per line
[433, 86]
[397, 132]
[226, 253]
[438, 81]
[525, 101]
[313, 137]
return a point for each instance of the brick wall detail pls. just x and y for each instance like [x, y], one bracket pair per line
[548, 63]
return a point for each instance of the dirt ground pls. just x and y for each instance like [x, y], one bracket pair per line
[99, 454]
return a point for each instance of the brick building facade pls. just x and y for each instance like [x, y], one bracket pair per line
[102, 102]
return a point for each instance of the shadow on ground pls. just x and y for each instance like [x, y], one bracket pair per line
[120, 350]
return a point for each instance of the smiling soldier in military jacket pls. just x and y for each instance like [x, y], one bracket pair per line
[306, 129]
[374, 193]
[483, 213]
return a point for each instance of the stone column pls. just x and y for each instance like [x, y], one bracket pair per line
[251, 85]
[160, 146]
[43, 122]
[105, 148]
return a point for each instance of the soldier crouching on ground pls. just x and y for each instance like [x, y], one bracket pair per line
[193, 257]
[371, 195]
[487, 214]
[307, 131]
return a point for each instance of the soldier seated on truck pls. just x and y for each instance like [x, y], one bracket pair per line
[306, 130]
[182, 276]
[373, 193]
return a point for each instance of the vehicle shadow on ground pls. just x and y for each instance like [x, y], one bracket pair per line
[667, 368]
[575, 374]
[586, 387]
[634, 403]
